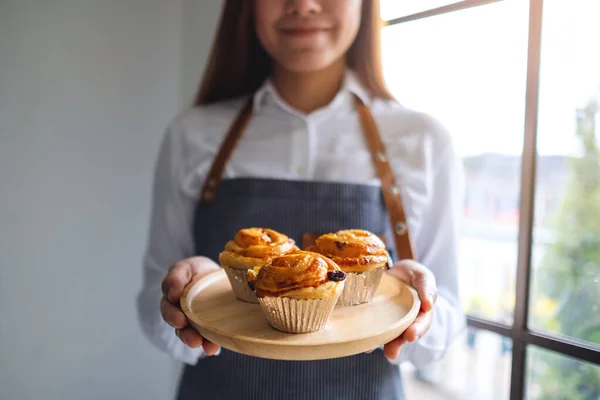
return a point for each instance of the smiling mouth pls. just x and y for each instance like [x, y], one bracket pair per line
[303, 31]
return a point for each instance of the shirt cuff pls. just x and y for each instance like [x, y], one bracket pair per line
[161, 334]
[448, 322]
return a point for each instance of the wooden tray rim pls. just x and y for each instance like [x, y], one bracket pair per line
[220, 274]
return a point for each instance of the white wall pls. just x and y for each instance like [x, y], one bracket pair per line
[86, 89]
[199, 25]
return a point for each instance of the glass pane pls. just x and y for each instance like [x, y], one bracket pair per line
[565, 292]
[553, 376]
[475, 367]
[468, 70]
[391, 9]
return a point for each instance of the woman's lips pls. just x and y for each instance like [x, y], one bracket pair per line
[303, 30]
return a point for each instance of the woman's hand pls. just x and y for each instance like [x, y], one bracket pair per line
[178, 277]
[423, 280]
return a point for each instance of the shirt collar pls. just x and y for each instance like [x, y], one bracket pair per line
[351, 84]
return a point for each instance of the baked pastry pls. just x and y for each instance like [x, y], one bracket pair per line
[362, 256]
[249, 248]
[297, 291]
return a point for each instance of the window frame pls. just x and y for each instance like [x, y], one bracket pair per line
[520, 333]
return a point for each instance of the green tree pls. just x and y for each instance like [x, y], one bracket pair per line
[569, 274]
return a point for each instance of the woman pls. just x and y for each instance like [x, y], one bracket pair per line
[277, 139]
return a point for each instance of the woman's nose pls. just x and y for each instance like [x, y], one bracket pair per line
[303, 7]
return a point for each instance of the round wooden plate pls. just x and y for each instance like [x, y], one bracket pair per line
[217, 315]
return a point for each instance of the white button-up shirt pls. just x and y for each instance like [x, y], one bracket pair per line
[325, 145]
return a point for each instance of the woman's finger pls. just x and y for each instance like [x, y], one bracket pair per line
[392, 349]
[172, 314]
[176, 280]
[419, 277]
[178, 277]
[403, 270]
[424, 282]
[182, 273]
[418, 328]
[189, 337]
[210, 348]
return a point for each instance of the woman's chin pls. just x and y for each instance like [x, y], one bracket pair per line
[307, 63]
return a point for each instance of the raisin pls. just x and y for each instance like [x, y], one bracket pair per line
[336, 276]
[340, 245]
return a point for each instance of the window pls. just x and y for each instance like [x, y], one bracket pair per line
[517, 83]
[546, 377]
[565, 290]
[476, 366]
[391, 9]
[474, 84]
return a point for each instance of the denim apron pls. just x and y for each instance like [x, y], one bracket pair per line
[294, 208]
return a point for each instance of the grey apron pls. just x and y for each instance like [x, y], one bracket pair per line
[293, 208]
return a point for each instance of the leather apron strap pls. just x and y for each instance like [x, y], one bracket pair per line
[390, 190]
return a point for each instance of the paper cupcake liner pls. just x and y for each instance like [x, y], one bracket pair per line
[360, 287]
[239, 283]
[297, 316]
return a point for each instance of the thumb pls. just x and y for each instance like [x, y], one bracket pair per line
[419, 277]
[426, 288]
[182, 273]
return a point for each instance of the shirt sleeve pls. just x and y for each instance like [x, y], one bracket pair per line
[436, 246]
[170, 240]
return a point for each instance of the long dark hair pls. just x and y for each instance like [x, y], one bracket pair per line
[238, 64]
